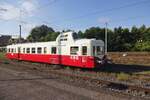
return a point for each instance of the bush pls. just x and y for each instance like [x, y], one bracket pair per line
[123, 76]
[2, 55]
[142, 46]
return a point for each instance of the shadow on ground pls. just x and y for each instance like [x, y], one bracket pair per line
[120, 68]
[25, 79]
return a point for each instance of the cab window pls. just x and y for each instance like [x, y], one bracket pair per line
[99, 50]
[84, 50]
[74, 50]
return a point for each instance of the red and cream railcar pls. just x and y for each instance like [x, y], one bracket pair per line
[66, 50]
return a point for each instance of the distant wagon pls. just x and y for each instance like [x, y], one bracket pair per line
[66, 50]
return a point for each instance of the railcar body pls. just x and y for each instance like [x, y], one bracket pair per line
[66, 50]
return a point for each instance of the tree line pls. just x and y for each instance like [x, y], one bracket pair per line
[119, 39]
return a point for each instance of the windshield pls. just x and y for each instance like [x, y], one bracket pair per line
[98, 50]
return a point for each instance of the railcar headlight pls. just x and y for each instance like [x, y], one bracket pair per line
[99, 61]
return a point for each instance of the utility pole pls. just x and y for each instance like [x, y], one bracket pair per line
[19, 33]
[106, 38]
[20, 27]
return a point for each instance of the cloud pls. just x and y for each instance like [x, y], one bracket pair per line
[11, 13]
[27, 7]
[26, 28]
[103, 20]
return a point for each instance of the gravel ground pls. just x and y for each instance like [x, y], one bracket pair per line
[27, 85]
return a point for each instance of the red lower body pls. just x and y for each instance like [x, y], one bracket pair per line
[79, 61]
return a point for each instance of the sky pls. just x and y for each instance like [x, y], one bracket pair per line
[71, 14]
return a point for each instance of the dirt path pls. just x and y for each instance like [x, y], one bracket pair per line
[24, 85]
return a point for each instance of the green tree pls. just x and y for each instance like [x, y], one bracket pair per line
[51, 36]
[142, 46]
[81, 34]
[146, 35]
[39, 33]
[95, 32]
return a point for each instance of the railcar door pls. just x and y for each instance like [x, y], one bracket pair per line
[19, 51]
[84, 56]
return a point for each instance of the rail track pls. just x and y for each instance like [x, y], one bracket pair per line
[126, 89]
[115, 86]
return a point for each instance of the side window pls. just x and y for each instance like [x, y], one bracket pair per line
[93, 50]
[12, 50]
[74, 50]
[53, 50]
[84, 50]
[8, 50]
[19, 50]
[23, 50]
[45, 50]
[39, 50]
[28, 50]
[33, 50]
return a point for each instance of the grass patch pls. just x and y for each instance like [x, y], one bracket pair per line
[144, 72]
[2, 55]
[123, 76]
[67, 68]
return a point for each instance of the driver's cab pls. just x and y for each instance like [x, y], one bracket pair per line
[97, 48]
[98, 51]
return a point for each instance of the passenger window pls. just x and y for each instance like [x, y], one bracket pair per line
[23, 50]
[84, 50]
[39, 50]
[93, 50]
[53, 50]
[45, 50]
[15, 50]
[28, 50]
[7, 50]
[19, 50]
[74, 50]
[33, 50]
[12, 50]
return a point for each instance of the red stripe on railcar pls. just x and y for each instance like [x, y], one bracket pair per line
[80, 61]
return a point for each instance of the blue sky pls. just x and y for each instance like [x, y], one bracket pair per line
[71, 14]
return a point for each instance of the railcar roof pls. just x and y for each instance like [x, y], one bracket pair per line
[33, 44]
[82, 41]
